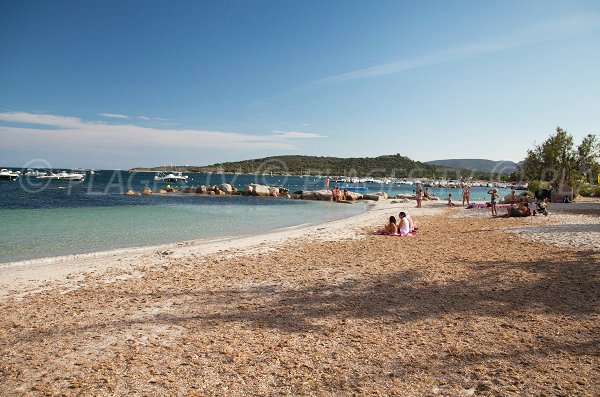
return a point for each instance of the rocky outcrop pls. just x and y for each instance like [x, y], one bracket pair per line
[353, 196]
[163, 191]
[375, 196]
[225, 188]
[130, 193]
[405, 196]
[322, 195]
[255, 189]
[274, 192]
[201, 189]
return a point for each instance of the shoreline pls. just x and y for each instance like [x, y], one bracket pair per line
[32, 275]
[19, 278]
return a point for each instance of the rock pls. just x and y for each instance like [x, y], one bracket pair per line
[226, 188]
[323, 195]
[405, 196]
[274, 192]
[147, 192]
[219, 192]
[163, 191]
[188, 190]
[283, 191]
[383, 195]
[377, 196]
[201, 189]
[211, 192]
[254, 189]
[373, 197]
[129, 193]
[352, 196]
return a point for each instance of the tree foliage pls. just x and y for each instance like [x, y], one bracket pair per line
[559, 162]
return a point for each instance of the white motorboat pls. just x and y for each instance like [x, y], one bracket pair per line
[9, 175]
[170, 177]
[62, 176]
[32, 172]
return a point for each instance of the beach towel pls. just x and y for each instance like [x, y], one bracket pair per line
[380, 233]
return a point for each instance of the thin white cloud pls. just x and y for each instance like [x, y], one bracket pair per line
[75, 133]
[297, 135]
[146, 118]
[553, 30]
[114, 115]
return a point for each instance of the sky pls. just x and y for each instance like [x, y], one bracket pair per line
[119, 84]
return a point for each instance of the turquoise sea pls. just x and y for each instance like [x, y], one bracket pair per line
[45, 219]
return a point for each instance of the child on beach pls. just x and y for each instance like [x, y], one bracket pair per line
[450, 203]
[493, 196]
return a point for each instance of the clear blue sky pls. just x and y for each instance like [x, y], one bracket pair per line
[126, 83]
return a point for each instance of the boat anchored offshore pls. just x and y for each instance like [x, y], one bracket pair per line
[62, 176]
[170, 177]
[9, 175]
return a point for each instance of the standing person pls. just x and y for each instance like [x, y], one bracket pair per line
[493, 196]
[327, 183]
[466, 194]
[419, 194]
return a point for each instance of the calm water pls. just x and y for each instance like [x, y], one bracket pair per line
[42, 219]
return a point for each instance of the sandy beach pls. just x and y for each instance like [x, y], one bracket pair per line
[470, 306]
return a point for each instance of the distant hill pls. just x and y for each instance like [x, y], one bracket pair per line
[382, 166]
[481, 165]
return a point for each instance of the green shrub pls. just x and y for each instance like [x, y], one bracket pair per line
[586, 190]
[534, 186]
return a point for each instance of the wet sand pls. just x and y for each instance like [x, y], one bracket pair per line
[464, 308]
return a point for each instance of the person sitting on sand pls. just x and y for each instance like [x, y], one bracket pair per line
[411, 223]
[521, 210]
[450, 203]
[390, 227]
[493, 196]
[403, 225]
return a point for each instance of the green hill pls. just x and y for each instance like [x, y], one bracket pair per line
[382, 166]
[481, 165]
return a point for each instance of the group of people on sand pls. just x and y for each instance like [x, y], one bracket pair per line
[403, 227]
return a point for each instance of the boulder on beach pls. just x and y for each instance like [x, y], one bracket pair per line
[405, 196]
[129, 193]
[201, 189]
[147, 192]
[188, 190]
[255, 189]
[274, 192]
[226, 188]
[375, 196]
[323, 195]
[163, 191]
[353, 196]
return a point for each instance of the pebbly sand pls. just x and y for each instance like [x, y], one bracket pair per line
[471, 306]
